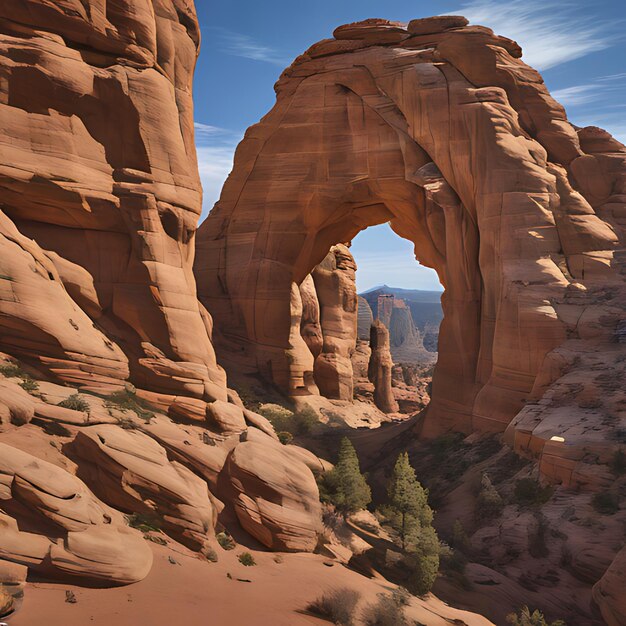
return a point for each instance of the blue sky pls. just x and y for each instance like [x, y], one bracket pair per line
[578, 45]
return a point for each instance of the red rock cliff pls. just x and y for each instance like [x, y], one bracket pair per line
[101, 195]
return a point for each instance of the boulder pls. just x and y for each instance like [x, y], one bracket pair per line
[275, 497]
[608, 592]
[225, 417]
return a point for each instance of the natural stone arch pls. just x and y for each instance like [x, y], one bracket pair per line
[443, 132]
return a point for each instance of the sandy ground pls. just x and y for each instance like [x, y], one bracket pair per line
[194, 592]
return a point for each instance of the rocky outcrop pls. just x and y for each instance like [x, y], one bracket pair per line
[380, 368]
[406, 341]
[275, 497]
[101, 196]
[94, 541]
[440, 129]
[131, 471]
[334, 280]
[100, 202]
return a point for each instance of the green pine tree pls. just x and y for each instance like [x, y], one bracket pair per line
[409, 502]
[348, 490]
[411, 517]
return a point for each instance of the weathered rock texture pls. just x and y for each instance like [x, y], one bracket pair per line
[131, 472]
[440, 129]
[608, 592]
[99, 202]
[64, 531]
[98, 167]
[380, 367]
[334, 280]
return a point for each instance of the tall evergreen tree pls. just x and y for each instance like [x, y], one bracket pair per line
[347, 487]
[409, 501]
[411, 516]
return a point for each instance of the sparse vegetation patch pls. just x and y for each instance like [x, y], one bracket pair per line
[76, 402]
[338, 607]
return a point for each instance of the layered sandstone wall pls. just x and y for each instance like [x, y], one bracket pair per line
[101, 195]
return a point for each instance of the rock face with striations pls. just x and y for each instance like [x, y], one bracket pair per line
[380, 368]
[440, 129]
[101, 195]
[100, 198]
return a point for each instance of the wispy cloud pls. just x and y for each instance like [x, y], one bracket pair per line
[240, 45]
[215, 147]
[550, 32]
[599, 102]
[206, 130]
[576, 95]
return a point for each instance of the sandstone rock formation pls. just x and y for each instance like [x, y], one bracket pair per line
[334, 280]
[98, 167]
[94, 544]
[275, 498]
[380, 367]
[608, 592]
[440, 129]
[100, 198]
[131, 472]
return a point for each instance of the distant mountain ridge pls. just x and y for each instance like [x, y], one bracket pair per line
[410, 295]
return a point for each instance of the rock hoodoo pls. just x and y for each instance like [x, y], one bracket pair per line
[380, 368]
[440, 129]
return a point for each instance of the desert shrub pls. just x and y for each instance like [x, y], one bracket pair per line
[618, 463]
[11, 370]
[388, 610]
[526, 618]
[28, 384]
[127, 400]
[345, 486]
[528, 492]
[275, 413]
[211, 555]
[285, 421]
[506, 467]
[451, 560]
[337, 606]
[145, 522]
[225, 541]
[284, 437]
[75, 402]
[305, 421]
[489, 503]
[605, 503]
[245, 558]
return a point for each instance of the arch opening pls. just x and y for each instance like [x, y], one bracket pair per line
[415, 136]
